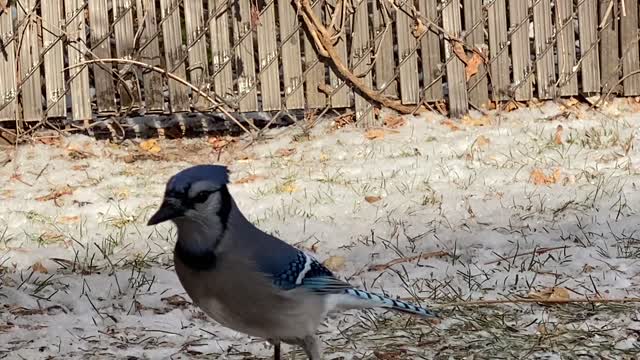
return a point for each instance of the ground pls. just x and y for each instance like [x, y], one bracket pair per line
[504, 206]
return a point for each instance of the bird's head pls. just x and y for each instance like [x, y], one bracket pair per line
[196, 195]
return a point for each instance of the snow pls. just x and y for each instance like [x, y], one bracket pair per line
[466, 193]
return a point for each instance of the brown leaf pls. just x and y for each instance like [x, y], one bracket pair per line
[372, 198]
[394, 122]
[218, 143]
[38, 267]
[175, 300]
[510, 106]
[255, 17]
[553, 294]
[373, 134]
[288, 187]
[151, 146]
[482, 141]
[69, 219]
[284, 152]
[55, 194]
[335, 263]
[538, 177]
[248, 179]
[473, 65]
[557, 138]
[450, 124]
[481, 121]
[458, 49]
[23, 311]
[418, 29]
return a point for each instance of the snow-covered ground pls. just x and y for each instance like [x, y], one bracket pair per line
[505, 206]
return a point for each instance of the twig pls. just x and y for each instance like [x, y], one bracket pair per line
[424, 255]
[538, 301]
[536, 252]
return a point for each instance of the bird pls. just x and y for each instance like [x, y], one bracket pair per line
[246, 279]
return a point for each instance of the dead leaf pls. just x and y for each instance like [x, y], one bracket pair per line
[373, 134]
[450, 124]
[557, 138]
[418, 29]
[587, 268]
[218, 143]
[255, 17]
[175, 300]
[38, 267]
[482, 141]
[151, 146]
[372, 198]
[80, 167]
[284, 152]
[248, 179]
[55, 194]
[511, 106]
[49, 237]
[391, 355]
[23, 311]
[471, 121]
[458, 49]
[538, 177]
[69, 219]
[558, 294]
[394, 122]
[335, 263]
[473, 65]
[288, 187]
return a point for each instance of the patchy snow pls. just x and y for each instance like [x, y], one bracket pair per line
[461, 193]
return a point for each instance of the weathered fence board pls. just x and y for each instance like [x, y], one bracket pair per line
[458, 102]
[221, 48]
[430, 53]
[101, 49]
[407, 57]
[291, 62]
[520, 50]
[360, 57]
[198, 70]
[342, 96]
[150, 54]
[313, 68]
[268, 57]
[499, 59]
[245, 57]
[609, 69]
[29, 62]
[124, 33]
[544, 56]
[567, 72]
[53, 58]
[474, 26]
[9, 86]
[385, 64]
[79, 74]
[172, 39]
[630, 50]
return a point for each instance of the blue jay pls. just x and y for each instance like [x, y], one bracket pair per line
[246, 279]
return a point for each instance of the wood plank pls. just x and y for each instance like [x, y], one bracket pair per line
[8, 85]
[474, 26]
[53, 58]
[221, 48]
[314, 69]
[124, 33]
[567, 75]
[360, 57]
[408, 60]
[76, 47]
[268, 57]
[590, 57]
[291, 60]
[609, 70]
[430, 48]
[28, 62]
[543, 41]
[385, 63]
[150, 54]
[245, 60]
[630, 50]
[458, 100]
[499, 55]
[342, 97]
[172, 38]
[520, 50]
[100, 46]
[198, 70]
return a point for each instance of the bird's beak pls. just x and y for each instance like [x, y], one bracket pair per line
[167, 211]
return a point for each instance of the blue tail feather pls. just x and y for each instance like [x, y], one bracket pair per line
[397, 305]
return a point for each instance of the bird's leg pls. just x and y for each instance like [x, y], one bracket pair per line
[311, 348]
[276, 349]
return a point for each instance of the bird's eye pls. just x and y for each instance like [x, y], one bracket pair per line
[201, 197]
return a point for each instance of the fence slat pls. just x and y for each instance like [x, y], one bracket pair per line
[588, 25]
[458, 101]
[314, 73]
[124, 32]
[198, 70]
[430, 53]
[474, 25]
[543, 41]
[500, 82]
[28, 60]
[103, 79]
[268, 58]
[245, 61]
[172, 38]
[630, 50]
[53, 58]
[291, 60]
[385, 64]
[8, 85]
[360, 57]
[609, 70]
[409, 60]
[342, 97]
[221, 48]
[76, 40]
[150, 54]
[568, 78]
[520, 50]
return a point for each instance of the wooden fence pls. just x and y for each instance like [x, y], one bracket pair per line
[273, 56]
